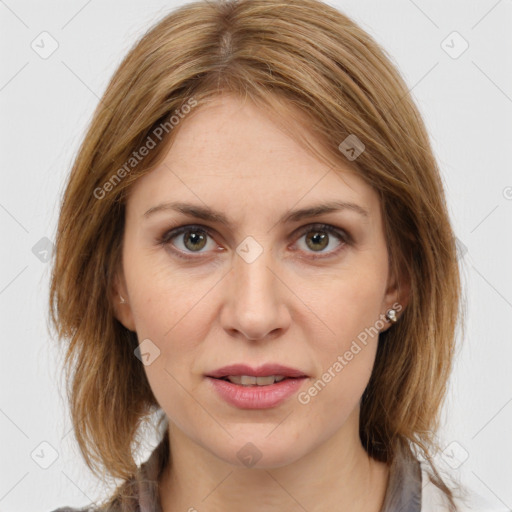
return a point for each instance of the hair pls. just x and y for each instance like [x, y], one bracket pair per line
[302, 56]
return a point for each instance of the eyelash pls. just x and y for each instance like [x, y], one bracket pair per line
[344, 237]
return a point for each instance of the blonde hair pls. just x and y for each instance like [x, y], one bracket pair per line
[312, 57]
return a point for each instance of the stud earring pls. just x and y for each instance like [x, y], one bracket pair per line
[122, 301]
[391, 315]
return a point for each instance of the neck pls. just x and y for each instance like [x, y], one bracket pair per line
[337, 475]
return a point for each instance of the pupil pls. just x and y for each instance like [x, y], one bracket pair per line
[318, 238]
[196, 239]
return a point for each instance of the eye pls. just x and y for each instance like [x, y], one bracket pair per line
[189, 239]
[319, 236]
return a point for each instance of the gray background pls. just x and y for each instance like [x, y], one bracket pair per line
[46, 104]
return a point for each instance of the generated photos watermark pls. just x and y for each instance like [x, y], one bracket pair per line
[304, 397]
[150, 143]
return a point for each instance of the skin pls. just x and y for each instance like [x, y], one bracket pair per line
[284, 307]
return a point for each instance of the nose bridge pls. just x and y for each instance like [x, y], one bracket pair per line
[253, 278]
[254, 307]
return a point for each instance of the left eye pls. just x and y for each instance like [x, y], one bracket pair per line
[318, 237]
[195, 239]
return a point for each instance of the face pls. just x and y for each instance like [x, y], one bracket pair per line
[253, 284]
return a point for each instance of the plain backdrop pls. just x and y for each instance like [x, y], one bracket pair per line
[465, 96]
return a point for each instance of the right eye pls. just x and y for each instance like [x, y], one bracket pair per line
[189, 239]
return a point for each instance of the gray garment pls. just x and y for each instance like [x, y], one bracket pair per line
[403, 493]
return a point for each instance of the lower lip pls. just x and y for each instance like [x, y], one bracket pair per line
[256, 397]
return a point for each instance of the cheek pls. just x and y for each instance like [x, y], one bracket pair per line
[350, 304]
[346, 358]
[172, 310]
[331, 399]
[163, 297]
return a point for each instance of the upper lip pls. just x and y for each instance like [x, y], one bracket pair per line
[260, 371]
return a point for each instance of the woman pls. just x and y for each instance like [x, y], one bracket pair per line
[254, 241]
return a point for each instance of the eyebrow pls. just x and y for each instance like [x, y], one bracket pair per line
[208, 214]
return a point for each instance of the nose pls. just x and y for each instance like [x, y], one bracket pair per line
[255, 305]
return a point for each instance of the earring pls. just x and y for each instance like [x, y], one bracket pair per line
[391, 315]
[122, 301]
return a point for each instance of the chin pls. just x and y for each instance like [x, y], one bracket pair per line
[258, 452]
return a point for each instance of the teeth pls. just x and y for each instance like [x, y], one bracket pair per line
[249, 380]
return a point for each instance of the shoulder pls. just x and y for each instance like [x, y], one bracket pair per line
[466, 500]
[140, 492]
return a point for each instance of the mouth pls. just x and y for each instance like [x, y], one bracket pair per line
[251, 380]
[264, 375]
[263, 387]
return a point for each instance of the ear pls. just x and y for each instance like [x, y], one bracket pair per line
[122, 310]
[398, 294]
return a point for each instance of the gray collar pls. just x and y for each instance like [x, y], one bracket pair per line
[403, 493]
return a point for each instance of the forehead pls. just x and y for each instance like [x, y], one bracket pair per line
[230, 131]
[232, 154]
